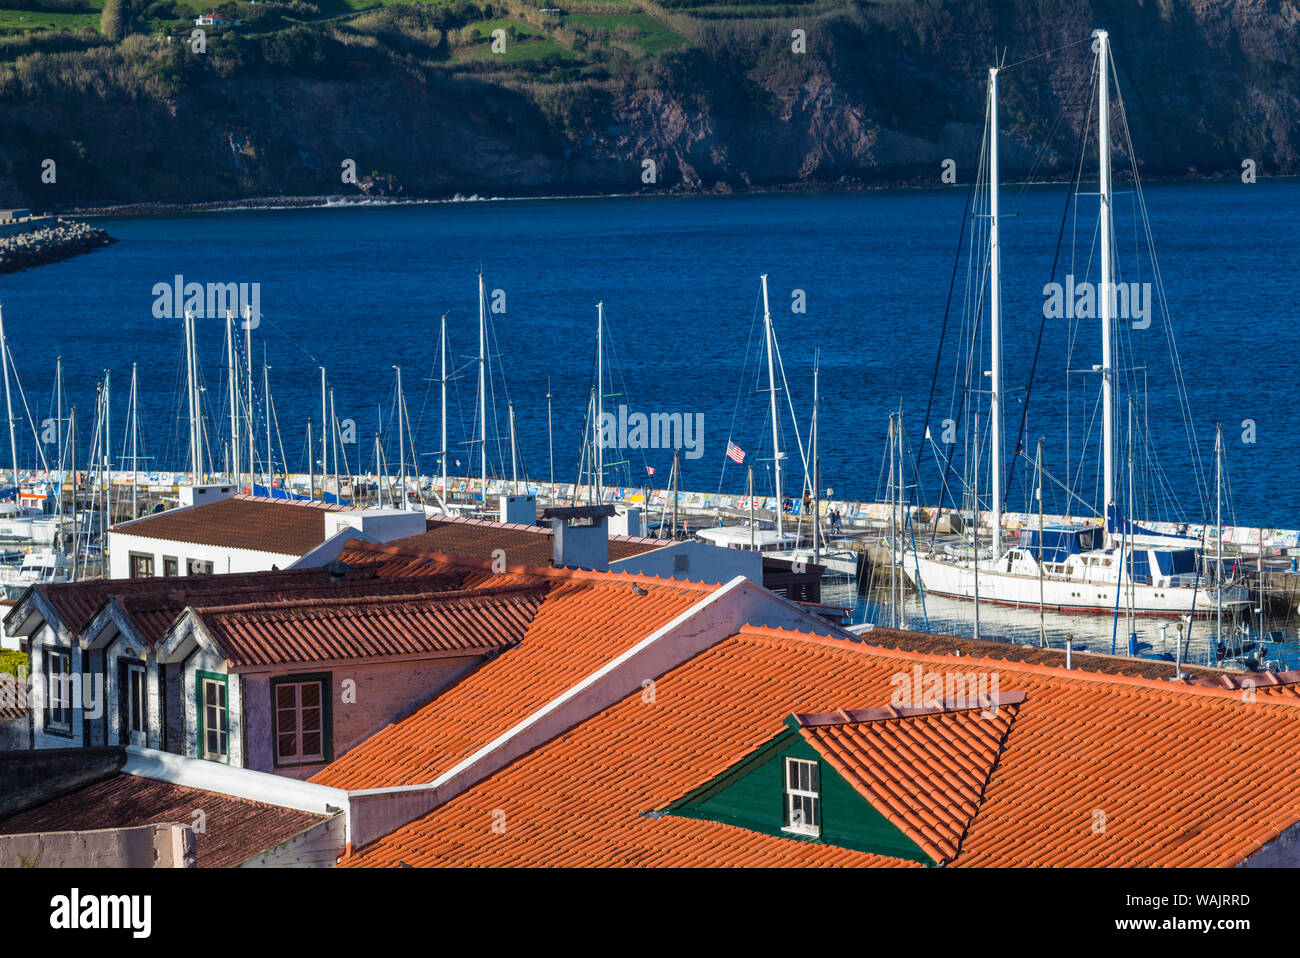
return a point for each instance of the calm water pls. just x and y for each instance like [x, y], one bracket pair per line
[359, 290]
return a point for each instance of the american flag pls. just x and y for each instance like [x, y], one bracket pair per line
[735, 453]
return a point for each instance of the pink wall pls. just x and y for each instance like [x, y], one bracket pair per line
[379, 694]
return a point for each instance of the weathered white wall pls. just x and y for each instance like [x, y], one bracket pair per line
[203, 661]
[122, 647]
[41, 639]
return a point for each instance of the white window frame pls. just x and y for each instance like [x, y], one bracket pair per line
[222, 728]
[137, 707]
[58, 690]
[796, 797]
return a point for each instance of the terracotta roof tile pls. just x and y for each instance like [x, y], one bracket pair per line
[235, 829]
[586, 619]
[241, 522]
[367, 626]
[1096, 769]
[924, 769]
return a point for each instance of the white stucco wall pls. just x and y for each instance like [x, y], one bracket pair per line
[223, 559]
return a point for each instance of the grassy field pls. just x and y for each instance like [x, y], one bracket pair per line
[638, 29]
[44, 20]
[528, 43]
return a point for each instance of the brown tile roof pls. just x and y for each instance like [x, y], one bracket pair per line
[587, 619]
[235, 829]
[1096, 769]
[523, 545]
[365, 626]
[76, 603]
[153, 613]
[241, 522]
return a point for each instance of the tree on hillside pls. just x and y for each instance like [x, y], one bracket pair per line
[112, 22]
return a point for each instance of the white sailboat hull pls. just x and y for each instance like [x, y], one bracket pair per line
[955, 578]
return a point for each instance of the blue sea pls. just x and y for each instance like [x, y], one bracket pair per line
[360, 289]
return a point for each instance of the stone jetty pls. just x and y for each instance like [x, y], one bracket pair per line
[58, 240]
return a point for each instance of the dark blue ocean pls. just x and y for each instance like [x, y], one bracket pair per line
[361, 289]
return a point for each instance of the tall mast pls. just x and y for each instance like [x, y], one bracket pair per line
[1038, 491]
[72, 440]
[1103, 146]
[324, 434]
[816, 515]
[482, 387]
[135, 446]
[311, 465]
[401, 435]
[266, 401]
[248, 369]
[189, 392]
[58, 402]
[232, 373]
[600, 401]
[1218, 521]
[107, 479]
[995, 316]
[550, 436]
[334, 437]
[443, 350]
[776, 426]
[514, 463]
[9, 407]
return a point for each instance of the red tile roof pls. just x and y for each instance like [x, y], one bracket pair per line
[235, 829]
[153, 613]
[241, 522]
[522, 545]
[361, 627]
[587, 619]
[1096, 769]
[902, 761]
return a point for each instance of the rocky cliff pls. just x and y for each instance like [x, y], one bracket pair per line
[883, 94]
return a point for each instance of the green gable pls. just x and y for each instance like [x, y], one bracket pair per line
[751, 795]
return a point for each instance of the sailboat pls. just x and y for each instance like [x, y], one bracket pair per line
[1063, 567]
[771, 538]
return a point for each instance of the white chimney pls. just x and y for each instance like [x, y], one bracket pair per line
[519, 509]
[581, 536]
[626, 521]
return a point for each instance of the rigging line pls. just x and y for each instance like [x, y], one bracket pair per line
[740, 389]
[1045, 53]
[23, 395]
[1179, 378]
[1077, 171]
[966, 211]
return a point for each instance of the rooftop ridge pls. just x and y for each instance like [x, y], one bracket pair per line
[890, 712]
[458, 595]
[540, 530]
[1212, 690]
[553, 572]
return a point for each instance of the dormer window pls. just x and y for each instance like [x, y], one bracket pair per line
[802, 797]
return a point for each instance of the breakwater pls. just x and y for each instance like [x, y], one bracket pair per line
[49, 244]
